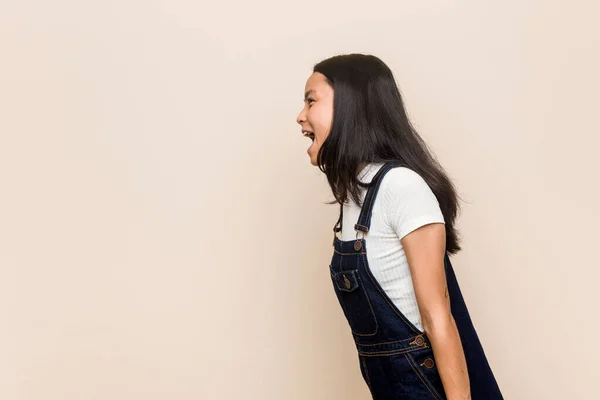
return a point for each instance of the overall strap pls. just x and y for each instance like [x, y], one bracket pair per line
[364, 220]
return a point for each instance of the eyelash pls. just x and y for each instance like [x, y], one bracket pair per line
[309, 101]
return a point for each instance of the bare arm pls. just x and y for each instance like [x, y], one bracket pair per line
[425, 249]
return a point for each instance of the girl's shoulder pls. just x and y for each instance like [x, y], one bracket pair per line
[403, 182]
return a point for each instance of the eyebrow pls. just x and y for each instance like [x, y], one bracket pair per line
[311, 91]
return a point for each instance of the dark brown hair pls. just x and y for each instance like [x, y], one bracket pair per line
[370, 125]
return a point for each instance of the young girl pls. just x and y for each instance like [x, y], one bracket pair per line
[391, 269]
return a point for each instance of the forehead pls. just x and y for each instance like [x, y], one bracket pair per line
[316, 83]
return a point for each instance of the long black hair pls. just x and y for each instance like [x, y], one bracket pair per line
[370, 125]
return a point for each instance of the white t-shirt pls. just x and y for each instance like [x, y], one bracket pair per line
[404, 203]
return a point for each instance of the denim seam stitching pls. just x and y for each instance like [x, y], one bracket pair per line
[423, 378]
[387, 353]
[361, 287]
[395, 341]
[346, 254]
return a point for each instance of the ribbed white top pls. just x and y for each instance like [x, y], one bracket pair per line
[404, 203]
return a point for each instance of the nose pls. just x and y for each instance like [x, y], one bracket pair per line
[301, 117]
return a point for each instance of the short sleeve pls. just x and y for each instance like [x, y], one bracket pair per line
[408, 202]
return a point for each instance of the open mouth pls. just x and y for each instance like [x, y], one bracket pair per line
[309, 134]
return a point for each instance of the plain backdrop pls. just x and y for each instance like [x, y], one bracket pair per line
[163, 235]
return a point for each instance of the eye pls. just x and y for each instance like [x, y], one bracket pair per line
[310, 101]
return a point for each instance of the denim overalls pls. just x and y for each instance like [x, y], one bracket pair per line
[396, 359]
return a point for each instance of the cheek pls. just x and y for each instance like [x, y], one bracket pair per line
[321, 122]
[322, 135]
[325, 128]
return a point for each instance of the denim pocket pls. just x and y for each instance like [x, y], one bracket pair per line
[354, 301]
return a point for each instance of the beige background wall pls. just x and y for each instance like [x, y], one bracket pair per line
[163, 236]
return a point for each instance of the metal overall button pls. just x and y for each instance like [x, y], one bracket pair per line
[346, 282]
[358, 244]
[428, 363]
[419, 341]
